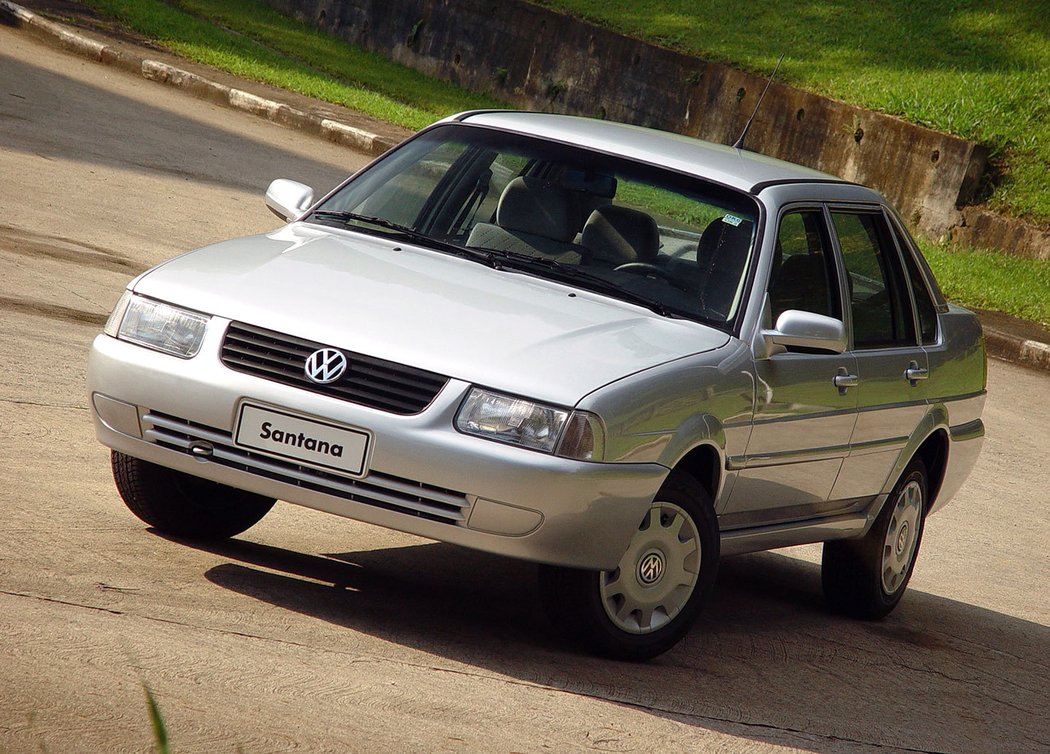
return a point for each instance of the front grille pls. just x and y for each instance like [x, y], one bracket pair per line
[378, 490]
[376, 383]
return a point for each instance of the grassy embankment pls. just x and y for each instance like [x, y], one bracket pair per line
[250, 39]
[979, 69]
[972, 73]
[989, 280]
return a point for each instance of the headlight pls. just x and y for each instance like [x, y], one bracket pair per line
[531, 425]
[159, 326]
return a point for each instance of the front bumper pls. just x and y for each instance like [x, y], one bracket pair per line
[422, 476]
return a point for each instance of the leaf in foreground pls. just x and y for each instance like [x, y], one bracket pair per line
[160, 732]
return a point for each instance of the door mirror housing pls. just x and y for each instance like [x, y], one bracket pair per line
[816, 332]
[288, 199]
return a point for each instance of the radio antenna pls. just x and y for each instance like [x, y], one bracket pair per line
[739, 143]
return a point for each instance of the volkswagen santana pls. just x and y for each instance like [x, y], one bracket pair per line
[616, 352]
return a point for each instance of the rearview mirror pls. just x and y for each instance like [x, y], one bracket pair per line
[798, 329]
[288, 199]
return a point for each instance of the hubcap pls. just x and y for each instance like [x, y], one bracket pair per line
[657, 574]
[901, 538]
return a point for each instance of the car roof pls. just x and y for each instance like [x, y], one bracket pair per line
[736, 168]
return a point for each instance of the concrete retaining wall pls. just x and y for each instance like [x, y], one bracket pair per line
[538, 59]
[982, 228]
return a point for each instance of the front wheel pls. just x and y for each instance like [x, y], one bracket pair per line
[647, 603]
[183, 505]
[866, 577]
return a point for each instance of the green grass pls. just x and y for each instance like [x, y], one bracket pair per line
[990, 280]
[251, 40]
[976, 68]
[156, 720]
[979, 69]
[955, 65]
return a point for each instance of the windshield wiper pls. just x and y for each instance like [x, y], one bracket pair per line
[504, 260]
[346, 217]
[477, 255]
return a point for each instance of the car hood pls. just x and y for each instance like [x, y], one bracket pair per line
[505, 330]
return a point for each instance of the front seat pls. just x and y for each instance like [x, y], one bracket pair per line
[721, 255]
[801, 283]
[617, 235]
[532, 218]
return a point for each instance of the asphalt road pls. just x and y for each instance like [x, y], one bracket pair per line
[315, 633]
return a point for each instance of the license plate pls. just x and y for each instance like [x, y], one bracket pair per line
[311, 442]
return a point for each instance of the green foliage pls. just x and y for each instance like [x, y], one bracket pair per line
[976, 68]
[160, 731]
[553, 89]
[990, 280]
[671, 208]
[250, 39]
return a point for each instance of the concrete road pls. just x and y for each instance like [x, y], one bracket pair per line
[314, 633]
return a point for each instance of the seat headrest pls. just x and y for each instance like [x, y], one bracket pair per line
[802, 267]
[720, 238]
[621, 234]
[533, 206]
[801, 283]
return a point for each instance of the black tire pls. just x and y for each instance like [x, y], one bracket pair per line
[183, 505]
[866, 577]
[578, 602]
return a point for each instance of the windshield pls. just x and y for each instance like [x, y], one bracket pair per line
[674, 243]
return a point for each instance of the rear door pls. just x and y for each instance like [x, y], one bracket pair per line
[892, 367]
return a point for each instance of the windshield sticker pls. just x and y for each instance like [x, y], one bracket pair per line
[732, 220]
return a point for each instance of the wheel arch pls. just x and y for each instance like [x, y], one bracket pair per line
[704, 463]
[934, 453]
[930, 442]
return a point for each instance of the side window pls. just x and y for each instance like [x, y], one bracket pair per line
[802, 276]
[878, 297]
[924, 305]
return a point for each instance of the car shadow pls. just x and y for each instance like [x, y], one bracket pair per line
[765, 658]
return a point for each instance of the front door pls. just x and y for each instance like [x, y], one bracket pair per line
[805, 408]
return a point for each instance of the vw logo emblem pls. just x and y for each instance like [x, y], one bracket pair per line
[902, 538]
[325, 366]
[651, 568]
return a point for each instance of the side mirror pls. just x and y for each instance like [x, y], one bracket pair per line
[288, 199]
[798, 329]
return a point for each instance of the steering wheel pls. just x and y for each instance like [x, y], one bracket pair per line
[645, 268]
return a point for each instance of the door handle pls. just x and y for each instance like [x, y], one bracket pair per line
[914, 373]
[844, 380]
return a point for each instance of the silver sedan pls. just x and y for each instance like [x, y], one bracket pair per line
[616, 352]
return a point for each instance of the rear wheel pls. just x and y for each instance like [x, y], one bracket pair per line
[183, 505]
[867, 577]
[646, 605]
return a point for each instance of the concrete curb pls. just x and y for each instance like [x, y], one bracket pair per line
[1008, 347]
[198, 85]
[1000, 342]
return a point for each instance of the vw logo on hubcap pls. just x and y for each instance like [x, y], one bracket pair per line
[651, 568]
[325, 365]
[902, 538]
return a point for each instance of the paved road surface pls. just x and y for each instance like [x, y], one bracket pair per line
[316, 633]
